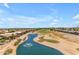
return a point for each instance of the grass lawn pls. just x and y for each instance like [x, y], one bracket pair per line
[48, 40]
[51, 41]
[58, 34]
[43, 31]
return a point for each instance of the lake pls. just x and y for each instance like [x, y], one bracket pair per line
[29, 47]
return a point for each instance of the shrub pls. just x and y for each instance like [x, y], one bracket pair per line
[8, 51]
[77, 49]
[17, 42]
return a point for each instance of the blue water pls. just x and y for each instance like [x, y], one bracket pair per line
[35, 49]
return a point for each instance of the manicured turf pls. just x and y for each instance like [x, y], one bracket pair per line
[51, 41]
[43, 31]
[48, 40]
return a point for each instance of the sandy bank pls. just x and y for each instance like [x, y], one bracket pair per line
[11, 45]
[64, 46]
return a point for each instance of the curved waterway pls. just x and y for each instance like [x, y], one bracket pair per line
[29, 47]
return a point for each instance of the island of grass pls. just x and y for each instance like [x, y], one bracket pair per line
[41, 39]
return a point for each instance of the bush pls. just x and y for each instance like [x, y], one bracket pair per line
[17, 42]
[41, 39]
[77, 49]
[8, 51]
[2, 40]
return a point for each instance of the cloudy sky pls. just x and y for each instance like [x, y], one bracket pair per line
[38, 15]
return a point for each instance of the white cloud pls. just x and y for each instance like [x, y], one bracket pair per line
[52, 24]
[1, 11]
[53, 11]
[6, 5]
[77, 22]
[76, 17]
[55, 20]
[24, 21]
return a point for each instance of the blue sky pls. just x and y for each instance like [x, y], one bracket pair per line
[32, 15]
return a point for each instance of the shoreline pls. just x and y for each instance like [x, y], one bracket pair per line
[65, 47]
[50, 47]
[26, 37]
[36, 40]
[23, 40]
[11, 44]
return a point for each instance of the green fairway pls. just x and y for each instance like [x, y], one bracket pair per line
[44, 31]
[48, 40]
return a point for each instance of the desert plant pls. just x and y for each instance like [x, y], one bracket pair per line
[8, 51]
